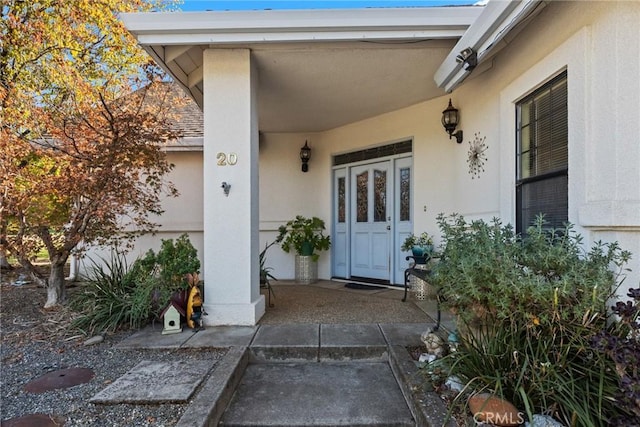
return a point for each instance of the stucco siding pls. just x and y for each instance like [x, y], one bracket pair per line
[598, 43]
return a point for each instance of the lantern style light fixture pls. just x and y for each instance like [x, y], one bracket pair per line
[450, 120]
[305, 156]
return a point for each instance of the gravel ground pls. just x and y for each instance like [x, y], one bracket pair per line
[37, 341]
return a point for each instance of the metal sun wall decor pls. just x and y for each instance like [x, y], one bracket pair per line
[476, 156]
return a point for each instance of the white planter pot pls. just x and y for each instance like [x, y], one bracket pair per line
[306, 270]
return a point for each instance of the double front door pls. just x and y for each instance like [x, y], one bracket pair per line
[372, 211]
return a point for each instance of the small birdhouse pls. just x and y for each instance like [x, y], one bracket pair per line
[171, 317]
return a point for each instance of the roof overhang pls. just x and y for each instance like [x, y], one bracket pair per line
[281, 26]
[318, 69]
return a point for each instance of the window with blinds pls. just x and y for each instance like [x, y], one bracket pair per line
[542, 155]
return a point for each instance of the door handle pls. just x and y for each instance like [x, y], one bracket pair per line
[388, 228]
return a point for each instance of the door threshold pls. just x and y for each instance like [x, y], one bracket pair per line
[360, 281]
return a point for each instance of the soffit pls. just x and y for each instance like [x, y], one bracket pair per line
[316, 71]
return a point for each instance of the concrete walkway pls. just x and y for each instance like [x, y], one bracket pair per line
[291, 372]
[291, 375]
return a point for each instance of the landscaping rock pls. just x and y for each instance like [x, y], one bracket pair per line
[543, 421]
[427, 358]
[94, 340]
[454, 383]
[489, 408]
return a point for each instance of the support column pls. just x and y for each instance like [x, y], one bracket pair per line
[231, 267]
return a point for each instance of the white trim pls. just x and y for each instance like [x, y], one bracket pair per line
[169, 28]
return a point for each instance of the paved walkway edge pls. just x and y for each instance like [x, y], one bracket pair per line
[212, 400]
[427, 408]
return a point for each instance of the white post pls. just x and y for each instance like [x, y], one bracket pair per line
[231, 269]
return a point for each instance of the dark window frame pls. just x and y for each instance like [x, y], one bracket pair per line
[539, 174]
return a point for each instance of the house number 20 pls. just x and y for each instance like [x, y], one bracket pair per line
[225, 159]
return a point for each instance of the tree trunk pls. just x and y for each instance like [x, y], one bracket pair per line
[56, 290]
[4, 263]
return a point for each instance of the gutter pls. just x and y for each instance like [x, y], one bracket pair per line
[485, 38]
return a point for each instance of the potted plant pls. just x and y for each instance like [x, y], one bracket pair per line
[305, 236]
[419, 245]
[265, 272]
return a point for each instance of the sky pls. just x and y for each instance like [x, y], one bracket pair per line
[200, 5]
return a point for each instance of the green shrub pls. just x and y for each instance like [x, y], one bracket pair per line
[529, 307]
[113, 297]
[487, 267]
[118, 295]
[174, 261]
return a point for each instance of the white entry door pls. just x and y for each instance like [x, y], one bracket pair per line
[371, 210]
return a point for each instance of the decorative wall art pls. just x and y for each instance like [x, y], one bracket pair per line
[476, 156]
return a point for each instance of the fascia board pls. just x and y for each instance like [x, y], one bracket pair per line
[495, 22]
[299, 25]
[285, 37]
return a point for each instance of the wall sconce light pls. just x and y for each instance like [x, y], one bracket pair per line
[305, 156]
[450, 119]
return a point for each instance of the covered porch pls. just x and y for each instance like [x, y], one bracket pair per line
[355, 82]
[269, 81]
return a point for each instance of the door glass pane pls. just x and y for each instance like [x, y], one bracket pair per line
[341, 200]
[362, 197]
[379, 196]
[405, 194]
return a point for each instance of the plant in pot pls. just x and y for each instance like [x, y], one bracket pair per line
[305, 236]
[420, 246]
[265, 272]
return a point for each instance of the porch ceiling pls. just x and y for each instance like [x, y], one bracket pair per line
[317, 69]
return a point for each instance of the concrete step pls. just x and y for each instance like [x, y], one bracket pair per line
[355, 393]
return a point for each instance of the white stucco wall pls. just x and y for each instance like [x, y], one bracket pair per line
[286, 191]
[593, 42]
[183, 214]
[597, 42]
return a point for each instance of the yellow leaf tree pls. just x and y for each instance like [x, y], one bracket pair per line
[83, 116]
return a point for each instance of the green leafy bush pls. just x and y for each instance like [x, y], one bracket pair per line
[487, 268]
[118, 295]
[174, 260]
[529, 307]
